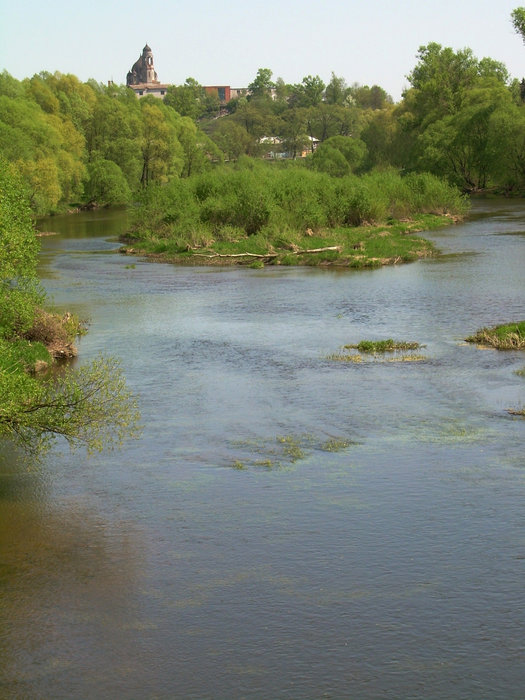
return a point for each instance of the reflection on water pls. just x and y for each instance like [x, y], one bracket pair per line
[288, 526]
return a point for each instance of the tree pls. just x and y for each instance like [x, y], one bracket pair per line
[465, 146]
[309, 93]
[293, 132]
[90, 406]
[339, 155]
[161, 151]
[189, 100]
[106, 183]
[231, 138]
[336, 91]
[262, 84]
[518, 20]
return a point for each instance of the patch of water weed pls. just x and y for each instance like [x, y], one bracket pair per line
[517, 411]
[520, 372]
[283, 451]
[406, 358]
[451, 431]
[377, 357]
[381, 346]
[344, 357]
[335, 445]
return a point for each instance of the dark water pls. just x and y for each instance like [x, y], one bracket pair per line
[391, 568]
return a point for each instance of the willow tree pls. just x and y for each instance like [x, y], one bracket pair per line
[91, 406]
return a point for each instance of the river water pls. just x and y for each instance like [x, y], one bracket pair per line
[287, 526]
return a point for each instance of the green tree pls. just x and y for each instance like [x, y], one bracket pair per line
[464, 146]
[189, 100]
[232, 139]
[336, 91]
[518, 21]
[327, 157]
[90, 406]
[308, 93]
[162, 154]
[293, 132]
[106, 183]
[262, 83]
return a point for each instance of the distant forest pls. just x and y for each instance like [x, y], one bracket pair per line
[76, 143]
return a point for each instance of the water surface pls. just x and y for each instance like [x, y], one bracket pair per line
[230, 553]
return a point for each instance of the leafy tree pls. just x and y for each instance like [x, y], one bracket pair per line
[327, 157]
[369, 97]
[309, 93]
[463, 146]
[440, 80]
[198, 149]
[189, 100]
[90, 406]
[115, 133]
[336, 91]
[262, 83]
[162, 155]
[518, 20]
[232, 139]
[106, 183]
[293, 132]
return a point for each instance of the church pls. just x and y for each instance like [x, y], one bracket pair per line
[142, 78]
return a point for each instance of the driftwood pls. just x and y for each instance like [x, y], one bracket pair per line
[267, 256]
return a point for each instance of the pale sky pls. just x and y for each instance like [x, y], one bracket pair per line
[225, 43]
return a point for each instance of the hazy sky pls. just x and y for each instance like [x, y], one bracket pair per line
[224, 43]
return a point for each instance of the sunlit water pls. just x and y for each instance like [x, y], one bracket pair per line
[230, 553]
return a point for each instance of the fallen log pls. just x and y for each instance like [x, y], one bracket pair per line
[267, 256]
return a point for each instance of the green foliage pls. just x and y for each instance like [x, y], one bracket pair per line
[262, 209]
[339, 155]
[518, 21]
[106, 183]
[90, 406]
[262, 83]
[461, 119]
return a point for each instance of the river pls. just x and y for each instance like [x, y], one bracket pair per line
[287, 526]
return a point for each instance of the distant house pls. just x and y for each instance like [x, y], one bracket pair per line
[222, 92]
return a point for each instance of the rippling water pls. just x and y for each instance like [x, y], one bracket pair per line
[288, 526]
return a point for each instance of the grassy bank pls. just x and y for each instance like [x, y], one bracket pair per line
[261, 214]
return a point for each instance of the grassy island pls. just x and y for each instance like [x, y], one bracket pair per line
[508, 336]
[257, 213]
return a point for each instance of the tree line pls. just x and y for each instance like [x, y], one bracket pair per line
[461, 118]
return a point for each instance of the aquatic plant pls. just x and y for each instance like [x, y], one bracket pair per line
[283, 451]
[389, 345]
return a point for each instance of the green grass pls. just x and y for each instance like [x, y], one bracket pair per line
[508, 336]
[22, 355]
